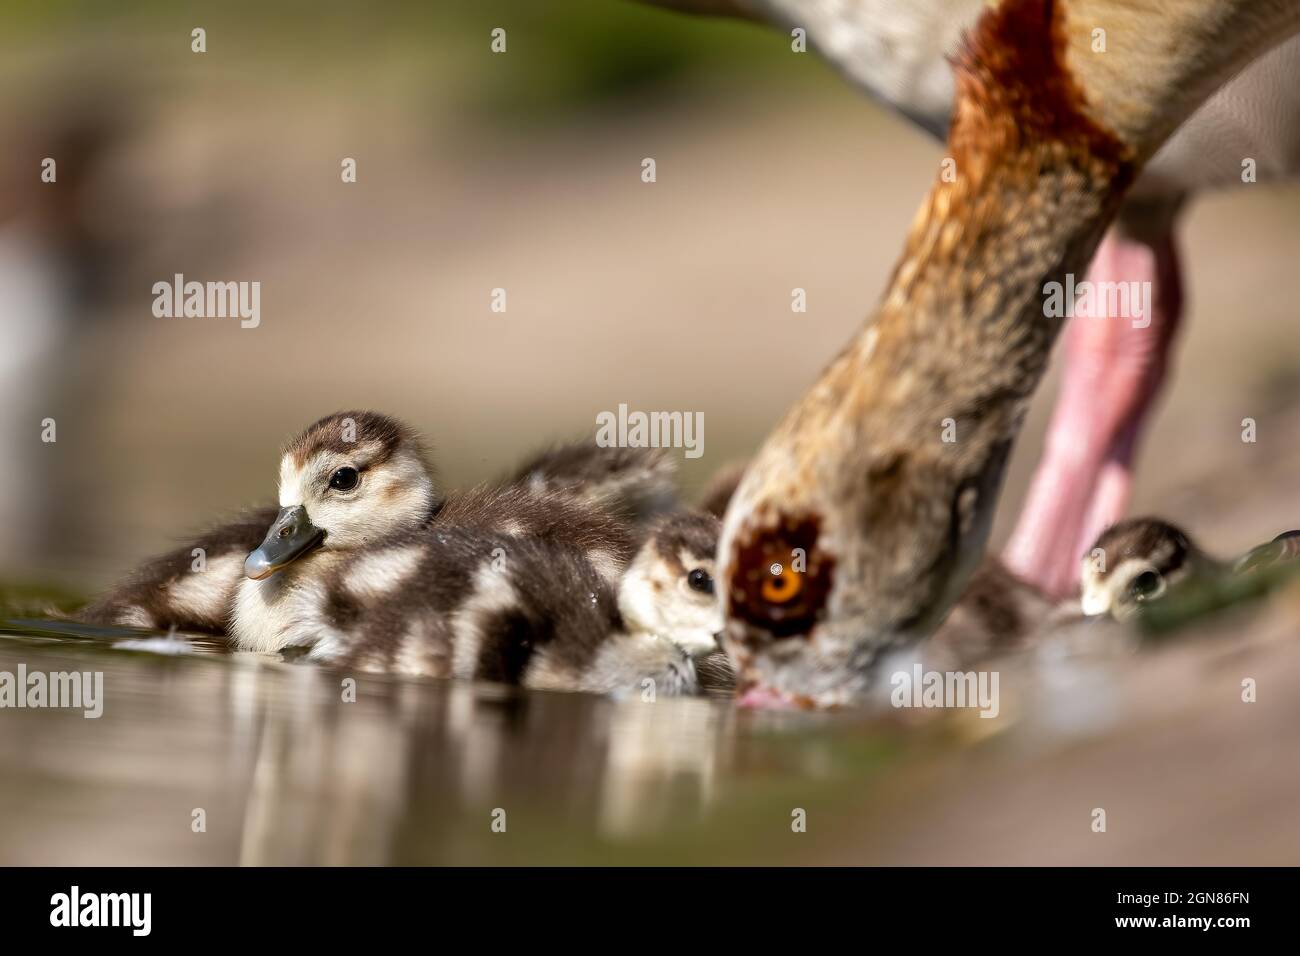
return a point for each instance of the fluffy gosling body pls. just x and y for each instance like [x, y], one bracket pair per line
[180, 590]
[183, 589]
[465, 602]
[396, 490]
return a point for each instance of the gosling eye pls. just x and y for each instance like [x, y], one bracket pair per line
[345, 479]
[700, 580]
[1146, 585]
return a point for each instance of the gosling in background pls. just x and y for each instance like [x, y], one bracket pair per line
[1139, 560]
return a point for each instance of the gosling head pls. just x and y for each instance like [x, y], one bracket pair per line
[1134, 563]
[668, 589]
[346, 480]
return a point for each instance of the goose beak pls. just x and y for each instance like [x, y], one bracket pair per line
[291, 536]
[760, 697]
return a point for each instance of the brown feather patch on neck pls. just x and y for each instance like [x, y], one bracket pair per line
[1030, 178]
[1013, 87]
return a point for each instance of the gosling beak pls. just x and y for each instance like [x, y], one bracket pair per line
[291, 536]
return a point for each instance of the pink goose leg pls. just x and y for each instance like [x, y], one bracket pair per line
[1113, 371]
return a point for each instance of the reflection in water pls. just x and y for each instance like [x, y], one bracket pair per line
[288, 767]
[285, 766]
[660, 761]
[336, 782]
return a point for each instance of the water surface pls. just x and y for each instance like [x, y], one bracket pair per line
[285, 769]
[288, 771]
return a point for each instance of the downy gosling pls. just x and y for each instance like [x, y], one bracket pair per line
[192, 588]
[1138, 561]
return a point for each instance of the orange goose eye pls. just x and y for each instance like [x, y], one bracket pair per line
[775, 600]
[782, 585]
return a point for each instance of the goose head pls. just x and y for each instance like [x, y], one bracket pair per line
[347, 480]
[1136, 562]
[668, 589]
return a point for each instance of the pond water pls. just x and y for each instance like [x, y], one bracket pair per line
[202, 756]
[207, 757]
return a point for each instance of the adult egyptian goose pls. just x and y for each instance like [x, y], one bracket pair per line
[1114, 367]
[858, 524]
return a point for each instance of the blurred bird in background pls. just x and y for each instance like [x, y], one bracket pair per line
[55, 271]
